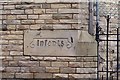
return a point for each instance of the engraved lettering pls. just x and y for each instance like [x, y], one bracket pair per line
[41, 43]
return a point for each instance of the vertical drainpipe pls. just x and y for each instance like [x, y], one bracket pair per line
[97, 36]
[90, 23]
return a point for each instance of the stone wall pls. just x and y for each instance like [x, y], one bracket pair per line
[18, 16]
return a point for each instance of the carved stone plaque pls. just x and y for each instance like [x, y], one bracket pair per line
[50, 43]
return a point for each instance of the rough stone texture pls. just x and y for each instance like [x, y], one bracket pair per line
[20, 15]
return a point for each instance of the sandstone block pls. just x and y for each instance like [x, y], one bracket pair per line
[29, 11]
[35, 27]
[67, 70]
[27, 22]
[16, 53]
[45, 16]
[13, 22]
[37, 69]
[51, 11]
[60, 6]
[66, 59]
[21, 58]
[32, 16]
[29, 63]
[17, 32]
[45, 63]
[21, 16]
[13, 69]
[42, 75]
[60, 75]
[17, 11]
[61, 26]
[13, 64]
[8, 75]
[46, 6]
[76, 64]
[12, 47]
[68, 11]
[11, 16]
[9, 6]
[60, 64]
[25, 69]
[39, 11]
[10, 37]
[62, 16]
[36, 58]
[22, 27]
[24, 75]
[38, 22]
[11, 27]
[72, 21]
[87, 70]
[49, 58]
[4, 42]
[79, 76]
[52, 69]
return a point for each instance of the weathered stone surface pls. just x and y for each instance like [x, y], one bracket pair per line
[61, 26]
[21, 58]
[60, 64]
[28, 63]
[45, 16]
[16, 42]
[62, 16]
[54, 42]
[72, 21]
[17, 11]
[87, 70]
[8, 75]
[12, 69]
[28, 22]
[29, 11]
[32, 16]
[36, 58]
[16, 53]
[9, 6]
[51, 10]
[24, 69]
[50, 58]
[90, 64]
[22, 16]
[11, 17]
[12, 37]
[11, 27]
[66, 59]
[17, 32]
[67, 70]
[24, 75]
[76, 64]
[22, 27]
[37, 22]
[11, 22]
[42, 75]
[60, 6]
[12, 47]
[46, 6]
[68, 11]
[60, 75]
[39, 11]
[52, 69]
[83, 76]
[37, 69]
[45, 63]
[4, 42]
